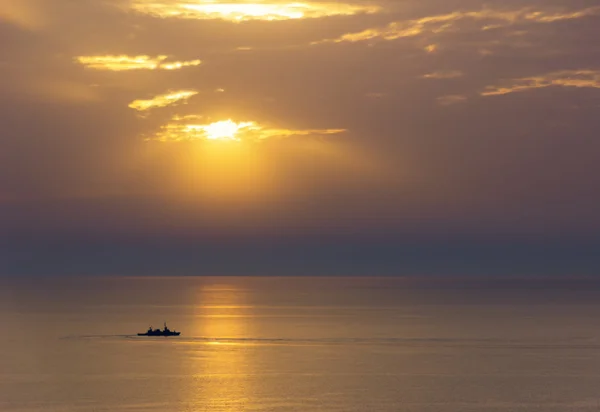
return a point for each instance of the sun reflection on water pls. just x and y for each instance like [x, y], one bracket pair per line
[222, 370]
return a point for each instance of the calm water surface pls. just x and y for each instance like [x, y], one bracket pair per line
[293, 344]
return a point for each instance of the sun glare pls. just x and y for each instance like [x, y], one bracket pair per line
[182, 128]
[225, 129]
[239, 12]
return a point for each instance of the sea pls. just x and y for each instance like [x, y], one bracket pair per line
[300, 344]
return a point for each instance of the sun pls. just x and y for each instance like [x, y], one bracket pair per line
[225, 129]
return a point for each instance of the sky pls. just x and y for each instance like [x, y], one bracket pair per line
[381, 137]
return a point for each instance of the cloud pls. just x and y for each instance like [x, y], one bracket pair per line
[451, 99]
[183, 129]
[445, 22]
[444, 75]
[565, 78]
[179, 65]
[239, 12]
[22, 13]
[431, 48]
[125, 63]
[163, 100]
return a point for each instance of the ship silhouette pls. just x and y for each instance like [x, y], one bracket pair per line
[157, 332]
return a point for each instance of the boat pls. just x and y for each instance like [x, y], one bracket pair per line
[157, 332]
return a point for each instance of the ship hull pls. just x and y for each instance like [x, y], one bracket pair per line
[160, 334]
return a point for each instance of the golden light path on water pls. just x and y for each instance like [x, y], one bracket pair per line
[224, 368]
[243, 11]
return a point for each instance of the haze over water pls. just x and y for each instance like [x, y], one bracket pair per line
[299, 344]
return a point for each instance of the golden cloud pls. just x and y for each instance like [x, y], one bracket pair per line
[431, 48]
[125, 63]
[179, 65]
[183, 129]
[443, 75]
[163, 100]
[444, 22]
[565, 78]
[239, 12]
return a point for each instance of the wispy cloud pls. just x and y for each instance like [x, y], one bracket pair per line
[444, 22]
[163, 100]
[444, 75]
[243, 11]
[451, 99]
[126, 63]
[565, 78]
[179, 65]
[186, 129]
